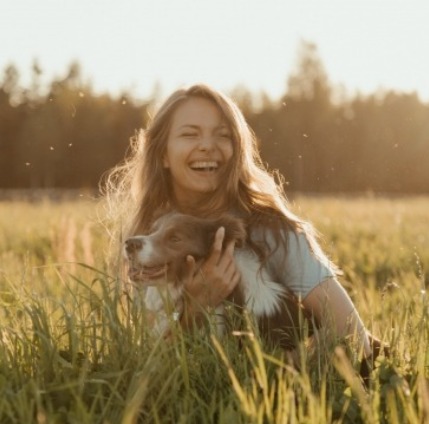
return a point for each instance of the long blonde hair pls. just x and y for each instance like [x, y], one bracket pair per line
[140, 187]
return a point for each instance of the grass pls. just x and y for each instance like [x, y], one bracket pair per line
[74, 348]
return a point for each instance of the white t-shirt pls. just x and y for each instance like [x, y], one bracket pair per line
[302, 268]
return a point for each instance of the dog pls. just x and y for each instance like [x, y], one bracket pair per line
[157, 263]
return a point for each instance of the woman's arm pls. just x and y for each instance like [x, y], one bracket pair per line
[332, 307]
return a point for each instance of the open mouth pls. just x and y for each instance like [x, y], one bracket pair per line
[204, 166]
[147, 273]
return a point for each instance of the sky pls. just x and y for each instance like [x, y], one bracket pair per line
[136, 45]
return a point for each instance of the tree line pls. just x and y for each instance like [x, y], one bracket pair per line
[318, 137]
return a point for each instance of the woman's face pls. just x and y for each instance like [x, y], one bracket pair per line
[199, 147]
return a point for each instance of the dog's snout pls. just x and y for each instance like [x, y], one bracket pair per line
[133, 244]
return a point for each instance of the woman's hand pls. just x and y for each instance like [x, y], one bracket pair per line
[217, 277]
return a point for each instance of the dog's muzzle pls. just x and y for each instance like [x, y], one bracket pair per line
[133, 244]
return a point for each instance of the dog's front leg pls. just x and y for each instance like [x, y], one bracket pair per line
[163, 307]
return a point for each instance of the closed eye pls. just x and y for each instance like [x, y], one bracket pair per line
[189, 134]
[224, 132]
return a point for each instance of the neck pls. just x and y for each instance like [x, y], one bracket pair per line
[205, 206]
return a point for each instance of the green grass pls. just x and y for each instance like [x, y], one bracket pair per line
[74, 348]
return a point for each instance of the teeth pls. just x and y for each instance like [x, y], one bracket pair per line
[212, 165]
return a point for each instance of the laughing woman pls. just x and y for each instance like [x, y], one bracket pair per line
[198, 156]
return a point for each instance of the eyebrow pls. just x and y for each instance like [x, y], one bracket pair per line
[196, 127]
[188, 126]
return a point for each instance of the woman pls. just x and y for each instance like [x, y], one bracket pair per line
[199, 156]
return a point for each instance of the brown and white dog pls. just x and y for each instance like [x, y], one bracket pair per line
[157, 262]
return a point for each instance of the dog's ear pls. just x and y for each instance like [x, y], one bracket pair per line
[234, 229]
[159, 214]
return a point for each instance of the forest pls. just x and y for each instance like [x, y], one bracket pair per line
[322, 139]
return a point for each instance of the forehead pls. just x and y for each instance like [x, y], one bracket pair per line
[198, 111]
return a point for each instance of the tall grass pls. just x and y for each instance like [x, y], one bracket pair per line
[74, 347]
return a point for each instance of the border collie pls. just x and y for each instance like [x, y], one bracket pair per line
[157, 262]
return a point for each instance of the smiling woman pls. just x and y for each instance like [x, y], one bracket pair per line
[199, 147]
[199, 157]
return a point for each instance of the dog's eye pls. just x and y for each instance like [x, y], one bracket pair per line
[174, 239]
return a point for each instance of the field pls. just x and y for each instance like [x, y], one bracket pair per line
[74, 347]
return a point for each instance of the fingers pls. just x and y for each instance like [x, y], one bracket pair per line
[226, 265]
[219, 236]
[228, 273]
[228, 256]
[214, 257]
[236, 277]
[217, 277]
[233, 279]
[190, 268]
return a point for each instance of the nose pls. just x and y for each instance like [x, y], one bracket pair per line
[207, 142]
[133, 244]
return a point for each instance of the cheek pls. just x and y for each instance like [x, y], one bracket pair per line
[228, 151]
[226, 148]
[175, 154]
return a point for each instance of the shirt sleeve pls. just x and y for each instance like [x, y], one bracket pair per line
[303, 267]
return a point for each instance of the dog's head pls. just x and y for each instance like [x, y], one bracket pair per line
[160, 256]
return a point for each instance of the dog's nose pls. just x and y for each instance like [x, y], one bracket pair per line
[133, 244]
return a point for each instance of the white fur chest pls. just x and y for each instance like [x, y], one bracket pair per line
[262, 296]
[164, 296]
[164, 301]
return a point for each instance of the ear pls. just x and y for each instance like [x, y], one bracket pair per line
[234, 229]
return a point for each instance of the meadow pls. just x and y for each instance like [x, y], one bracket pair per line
[74, 346]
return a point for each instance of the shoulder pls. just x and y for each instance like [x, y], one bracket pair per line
[299, 263]
[284, 240]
